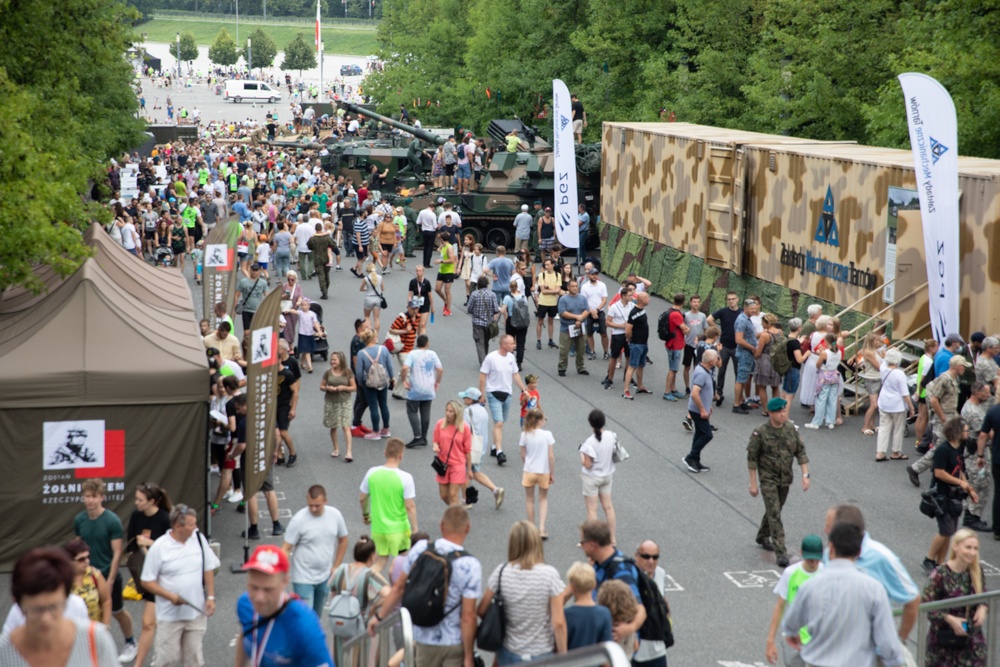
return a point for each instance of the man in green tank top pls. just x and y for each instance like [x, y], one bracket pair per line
[389, 505]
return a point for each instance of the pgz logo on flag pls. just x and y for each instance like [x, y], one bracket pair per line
[563, 122]
[937, 149]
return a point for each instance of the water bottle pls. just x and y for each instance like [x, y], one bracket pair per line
[432, 317]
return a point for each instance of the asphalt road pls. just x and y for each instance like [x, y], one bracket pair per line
[705, 523]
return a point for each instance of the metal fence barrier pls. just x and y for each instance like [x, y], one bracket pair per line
[393, 634]
[990, 627]
[608, 653]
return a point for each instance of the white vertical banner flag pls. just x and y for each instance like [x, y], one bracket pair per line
[564, 167]
[318, 36]
[930, 114]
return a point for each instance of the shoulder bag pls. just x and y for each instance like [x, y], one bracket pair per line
[134, 563]
[441, 467]
[618, 454]
[239, 306]
[489, 636]
[383, 304]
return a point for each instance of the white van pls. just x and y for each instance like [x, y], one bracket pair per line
[238, 90]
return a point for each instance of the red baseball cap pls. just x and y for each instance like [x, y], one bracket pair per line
[268, 559]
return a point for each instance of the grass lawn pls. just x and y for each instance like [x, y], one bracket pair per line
[350, 41]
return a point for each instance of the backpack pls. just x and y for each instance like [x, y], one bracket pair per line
[347, 607]
[663, 329]
[780, 363]
[657, 626]
[376, 377]
[426, 589]
[461, 151]
[521, 317]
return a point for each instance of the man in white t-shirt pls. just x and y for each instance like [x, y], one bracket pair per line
[421, 377]
[616, 319]
[497, 377]
[595, 292]
[315, 543]
[180, 571]
[304, 232]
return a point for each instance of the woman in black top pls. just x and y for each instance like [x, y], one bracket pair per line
[149, 521]
[566, 277]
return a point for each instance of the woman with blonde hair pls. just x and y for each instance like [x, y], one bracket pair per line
[870, 363]
[453, 444]
[532, 599]
[538, 454]
[616, 595]
[373, 289]
[807, 385]
[956, 637]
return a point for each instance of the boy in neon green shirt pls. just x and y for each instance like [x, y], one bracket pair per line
[791, 579]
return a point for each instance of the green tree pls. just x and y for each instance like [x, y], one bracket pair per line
[223, 50]
[189, 47]
[299, 54]
[66, 106]
[262, 49]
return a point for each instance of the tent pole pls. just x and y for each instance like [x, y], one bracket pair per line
[237, 567]
[208, 483]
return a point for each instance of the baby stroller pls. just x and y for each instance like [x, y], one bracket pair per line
[163, 256]
[321, 346]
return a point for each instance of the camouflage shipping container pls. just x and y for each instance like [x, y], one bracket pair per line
[811, 217]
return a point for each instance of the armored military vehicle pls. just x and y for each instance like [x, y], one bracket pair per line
[508, 180]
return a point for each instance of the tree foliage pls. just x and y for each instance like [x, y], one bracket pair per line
[262, 49]
[299, 54]
[809, 68]
[66, 106]
[223, 50]
[189, 47]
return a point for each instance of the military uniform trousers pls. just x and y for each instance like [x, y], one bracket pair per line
[774, 496]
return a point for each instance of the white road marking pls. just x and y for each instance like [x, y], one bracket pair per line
[754, 579]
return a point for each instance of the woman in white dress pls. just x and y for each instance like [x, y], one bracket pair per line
[807, 387]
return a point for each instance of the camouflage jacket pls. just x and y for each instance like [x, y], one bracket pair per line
[945, 388]
[771, 450]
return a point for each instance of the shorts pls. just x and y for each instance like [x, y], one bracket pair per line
[387, 247]
[498, 409]
[262, 265]
[218, 454]
[267, 484]
[362, 251]
[149, 235]
[391, 544]
[196, 233]
[593, 485]
[198, 269]
[873, 386]
[231, 464]
[790, 384]
[744, 365]
[546, 244]
[282, 420]
[539, 479]
[546, 311]
[455, 474]
[117, 601]
[947, 524]
[446, 277]
[449, 169]
[674, 360]
[372, 303]
[637, 355]
[597, 324]
[619, 344]
[464, 171]
[578, 126]
[688, 356]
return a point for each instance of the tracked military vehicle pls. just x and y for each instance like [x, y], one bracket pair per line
[508, 180]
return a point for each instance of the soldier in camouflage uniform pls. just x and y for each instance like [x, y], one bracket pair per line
[980, 476]
[410, 240]
[772, 447]
[942, 399]
[533, 241]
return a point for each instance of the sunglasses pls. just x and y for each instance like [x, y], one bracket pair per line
[649, 556]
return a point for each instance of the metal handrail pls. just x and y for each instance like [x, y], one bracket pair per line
[866, 297]
[357, 649]
[608, 653]
[990, 628]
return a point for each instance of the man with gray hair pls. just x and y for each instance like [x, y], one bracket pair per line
[894, 404]
[651, 653]
[700, 408]
[814, 311]
[523, 222]
[987, 371]
[180, 571]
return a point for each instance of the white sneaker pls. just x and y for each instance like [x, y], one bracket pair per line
[812, 426]
[228, 495]
[236, 497]
[128, 653]
[214, 470]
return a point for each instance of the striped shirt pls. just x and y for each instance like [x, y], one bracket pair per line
[364, 233]
[848, 616]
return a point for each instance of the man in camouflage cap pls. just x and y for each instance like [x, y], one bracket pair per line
[772, 447]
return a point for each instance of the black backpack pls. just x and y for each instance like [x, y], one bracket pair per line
[426, 589]
[657, 624]
[663, 326]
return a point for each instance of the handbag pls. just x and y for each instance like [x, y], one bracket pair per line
[929, 505]
[619, 454]
[383, 304]
[134, 563]
[489, 636]
[493, 330]
[946, 637]
[441, 467]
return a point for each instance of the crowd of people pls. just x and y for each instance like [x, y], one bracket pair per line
[295, 215]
